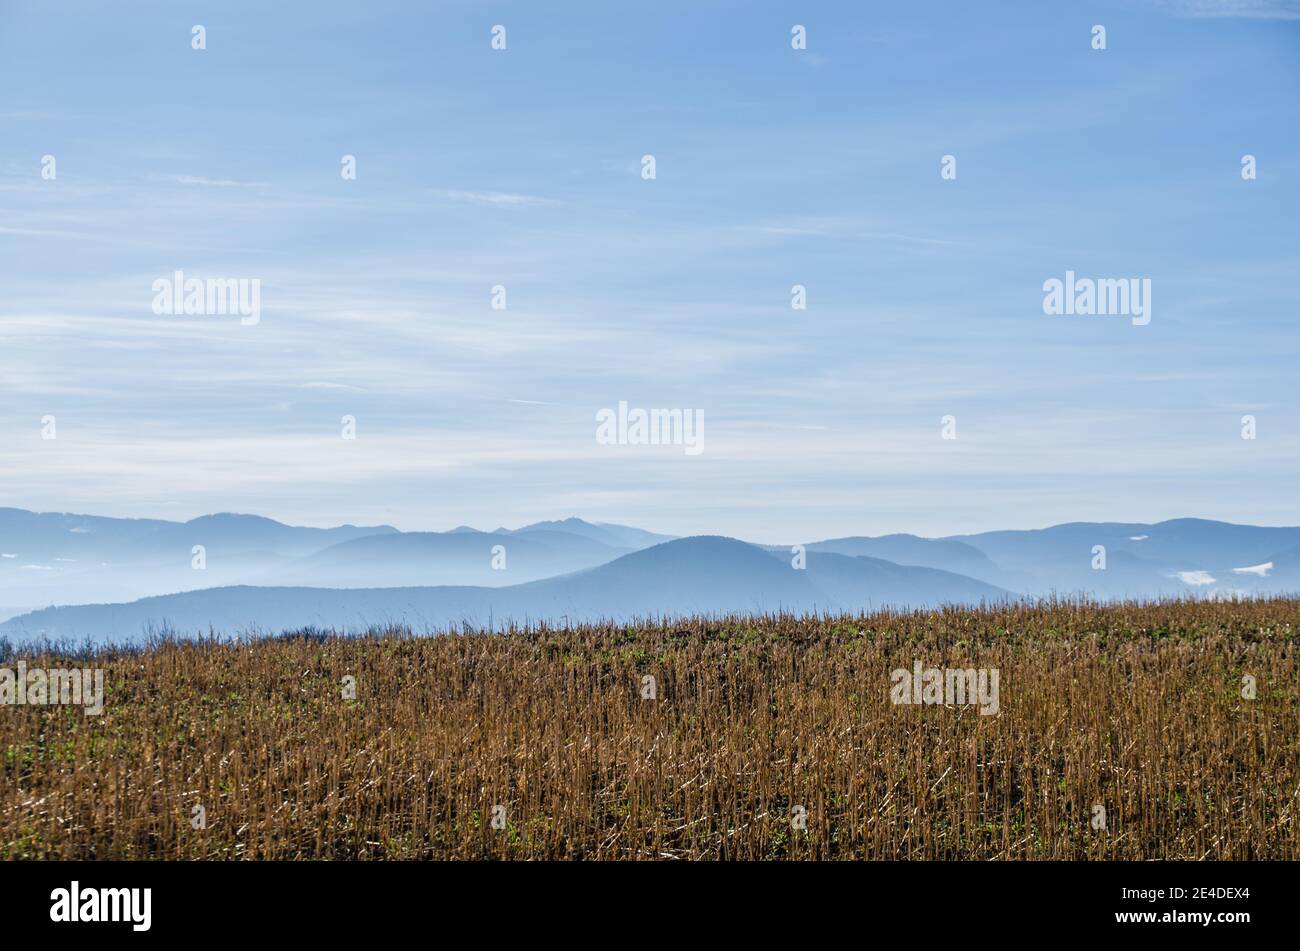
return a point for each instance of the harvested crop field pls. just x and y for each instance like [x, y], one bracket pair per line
[1167, 731]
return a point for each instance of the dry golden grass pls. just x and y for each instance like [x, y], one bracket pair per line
[1136, 708]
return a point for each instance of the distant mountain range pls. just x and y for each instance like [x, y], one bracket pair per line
[55, 558]
[701, 575]
[77, 576]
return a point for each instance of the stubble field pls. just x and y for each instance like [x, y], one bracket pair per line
[1121, 732]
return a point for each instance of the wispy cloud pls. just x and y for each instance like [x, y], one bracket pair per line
[326, 385]
[210, 182]
[51, 233]
[496, 199]
[1249, 9]
[1261, 570]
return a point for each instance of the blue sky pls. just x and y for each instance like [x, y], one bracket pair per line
[775, 167]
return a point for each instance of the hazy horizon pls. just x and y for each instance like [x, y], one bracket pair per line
[512, 526]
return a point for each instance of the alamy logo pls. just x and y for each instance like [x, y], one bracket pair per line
[946, 687]
[654, 427]
[211, 297]
[103, 904]
[1103, 297]
[39, 687]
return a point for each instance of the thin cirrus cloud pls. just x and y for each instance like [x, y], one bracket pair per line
[1250, 9]
[488, 199]
[212, 182]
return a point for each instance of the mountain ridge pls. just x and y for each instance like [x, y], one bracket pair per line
[670, 579]
[53, 559]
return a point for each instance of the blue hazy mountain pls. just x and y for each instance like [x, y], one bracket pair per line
[607, 533]
[699, 575]
[712, 574]
[66, 558]
[457, 557]
[1179, 556]
[617, 536]
[49, 559]
[1182, 541]
[62, 558]
[46, 535]
[231, 534]
[945, 554]
[34, 536]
